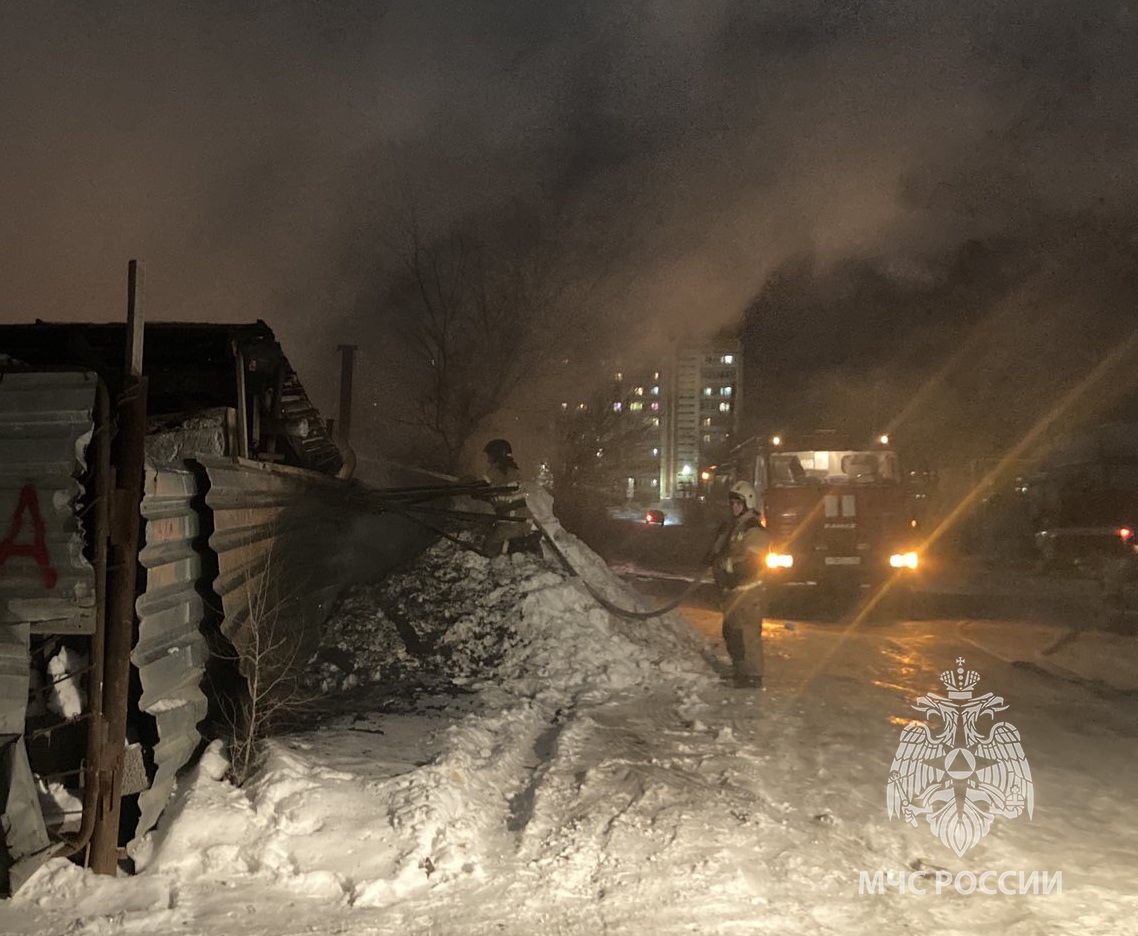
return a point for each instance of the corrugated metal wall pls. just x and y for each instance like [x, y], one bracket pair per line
[45, 424]
[226, 539]
[47, 585]
[276, 531]
[171, 651]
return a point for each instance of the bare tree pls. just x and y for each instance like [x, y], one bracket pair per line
[271, 657]
[480, 321]
[601, 443]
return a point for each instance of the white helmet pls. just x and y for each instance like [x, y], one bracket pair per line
[745, 491]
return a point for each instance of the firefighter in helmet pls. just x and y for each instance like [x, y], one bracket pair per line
[738, 559]
[508, 535]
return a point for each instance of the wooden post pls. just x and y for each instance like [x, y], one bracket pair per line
[242, 405]
[99, 457]
[128, 458]
[134, 320]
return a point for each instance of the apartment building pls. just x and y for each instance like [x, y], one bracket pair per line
[702, 406]
[667, 422]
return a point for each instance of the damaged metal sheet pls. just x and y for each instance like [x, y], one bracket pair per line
[23, 834]
[275, 535]
[24, 841]
[171, 651]
[287, 542]
[46, 421]
[14, 678]
[47, 585]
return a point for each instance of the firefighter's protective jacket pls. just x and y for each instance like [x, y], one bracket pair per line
[739, 555]
[508, 504]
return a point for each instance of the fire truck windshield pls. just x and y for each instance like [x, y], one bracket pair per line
[788, 469]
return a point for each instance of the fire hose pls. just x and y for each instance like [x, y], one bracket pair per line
[608, 605]
[413, 512]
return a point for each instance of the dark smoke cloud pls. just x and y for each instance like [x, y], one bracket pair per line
[1005, 340]
[262, 157]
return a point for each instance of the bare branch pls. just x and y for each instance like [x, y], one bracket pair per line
[481, 324]
[270, 656]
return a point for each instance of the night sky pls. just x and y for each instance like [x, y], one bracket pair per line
[864, 189]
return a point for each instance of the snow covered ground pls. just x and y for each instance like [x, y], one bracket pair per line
[1101, 659]
[497, 754]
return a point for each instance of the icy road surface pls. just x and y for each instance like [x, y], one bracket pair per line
[506, 758]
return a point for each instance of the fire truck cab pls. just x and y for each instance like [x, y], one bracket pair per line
[838, 513]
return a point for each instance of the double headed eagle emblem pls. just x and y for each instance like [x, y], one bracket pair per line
[958, 778]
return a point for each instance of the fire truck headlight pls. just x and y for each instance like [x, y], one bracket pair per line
[779, 561]
[907, 560]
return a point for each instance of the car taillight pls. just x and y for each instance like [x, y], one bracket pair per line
[1125, 534]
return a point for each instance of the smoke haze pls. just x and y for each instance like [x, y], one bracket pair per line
[819, 163]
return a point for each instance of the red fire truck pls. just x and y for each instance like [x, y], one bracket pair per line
[838, 513]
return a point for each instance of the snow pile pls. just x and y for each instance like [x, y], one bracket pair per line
[282, 828]
[529, 651]
[505, 656]
[520, 623]
[60, 807]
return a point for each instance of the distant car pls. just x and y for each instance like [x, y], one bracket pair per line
[654, 516]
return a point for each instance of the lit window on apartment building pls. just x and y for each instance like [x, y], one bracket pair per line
[725, 391]
[636, 406]
[729, 359]
[707, 420]
[655, 420]
[639, 391]
[656, 391]
[654, 407]
[582, 406]
[617, 406]
[707, 391]
[707, 438]
[655, 451]
[619, 375]
[656, 375]
[565, 406]
[725, 407]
